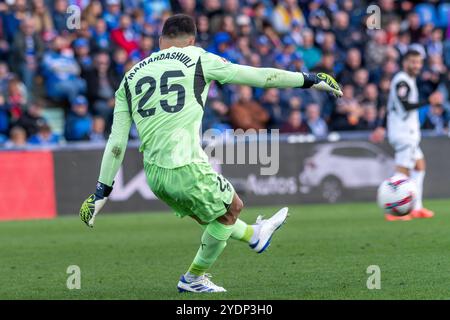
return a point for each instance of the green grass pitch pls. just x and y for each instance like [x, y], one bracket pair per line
[321, 253]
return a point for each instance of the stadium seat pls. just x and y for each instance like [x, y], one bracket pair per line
[55, 119]
[444, 14]
[427, 13]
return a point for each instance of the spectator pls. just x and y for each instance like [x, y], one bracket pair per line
[5, 78]
[44, 136]
[138, 19]
[388, 9]
[101, 81]
[295, 102]
[203, 35]
[327, 64]
[349, 119]
[27, 51]
[228, 26]
[347, 114]
[17, 97]
[352, 63]
[247, 113]
[61, 72]
[60, 16]
[17, 139]
[376, 50]
[271, 103]
[4, 44]
[284, 58]
[43, 21]
[297, 64]
[186, 6]
[285, 13]
[360, 80]
[216, 116]
[98, 130]
[370, 94]
[93, 13]
[82, 54]
[146, 47]
[413, 26]
[82, 30]
[124, 36]
[447, 51]
[434, 116]
[383, 95]
[244, 26]
[79, 122]
[32, 119]
[435, 43]
[120, 59]
[432, 75]
[315, 123]
[319, 21]
[100, 36]
[214, 12]
[295, 124]
[112, 14]
[328, 44]
[264, 49]
[342, 30]
[4, 116]
[369, 120]
[259, 19]
[311, 55]
[403, 42]
[392, 31]
[13, 18]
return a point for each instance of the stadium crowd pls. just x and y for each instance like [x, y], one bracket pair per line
[51, 59]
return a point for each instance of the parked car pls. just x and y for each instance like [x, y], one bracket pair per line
[345, 165]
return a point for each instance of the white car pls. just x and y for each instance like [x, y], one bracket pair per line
[345, 165]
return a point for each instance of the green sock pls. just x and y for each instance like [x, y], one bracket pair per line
[242, 231]
[214, 240]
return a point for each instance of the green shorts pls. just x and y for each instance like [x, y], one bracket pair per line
[191, 190]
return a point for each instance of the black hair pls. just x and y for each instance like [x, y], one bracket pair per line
[411, 53]
[179, 25]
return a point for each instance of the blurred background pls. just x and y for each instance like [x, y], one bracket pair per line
[60, 66]
[61, 62]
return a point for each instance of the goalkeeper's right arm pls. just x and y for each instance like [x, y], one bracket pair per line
[112, 158]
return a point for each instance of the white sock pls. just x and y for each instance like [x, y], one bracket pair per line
[255, 235]
[400, 175]
[418, 177]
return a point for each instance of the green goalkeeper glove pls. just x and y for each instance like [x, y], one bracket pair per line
[94, 203]
[322, 82]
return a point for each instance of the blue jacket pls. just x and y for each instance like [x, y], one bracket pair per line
[77, 127]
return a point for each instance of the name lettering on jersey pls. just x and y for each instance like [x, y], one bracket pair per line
[184, 59]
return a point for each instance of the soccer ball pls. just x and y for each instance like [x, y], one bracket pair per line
[397, 195]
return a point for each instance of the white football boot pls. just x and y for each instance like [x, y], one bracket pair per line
[202, 285]
[267, 228]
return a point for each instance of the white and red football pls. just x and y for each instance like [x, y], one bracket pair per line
[397, 195]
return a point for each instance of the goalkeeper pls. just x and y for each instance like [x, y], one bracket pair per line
[164, 95]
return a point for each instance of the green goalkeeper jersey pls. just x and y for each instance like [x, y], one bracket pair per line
[165, 96]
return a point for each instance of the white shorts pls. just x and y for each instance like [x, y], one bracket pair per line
[407, 154]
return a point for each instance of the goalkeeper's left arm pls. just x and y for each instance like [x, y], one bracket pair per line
[112, 159]
[216, 68]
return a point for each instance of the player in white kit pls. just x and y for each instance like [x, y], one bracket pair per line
[403, 129]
